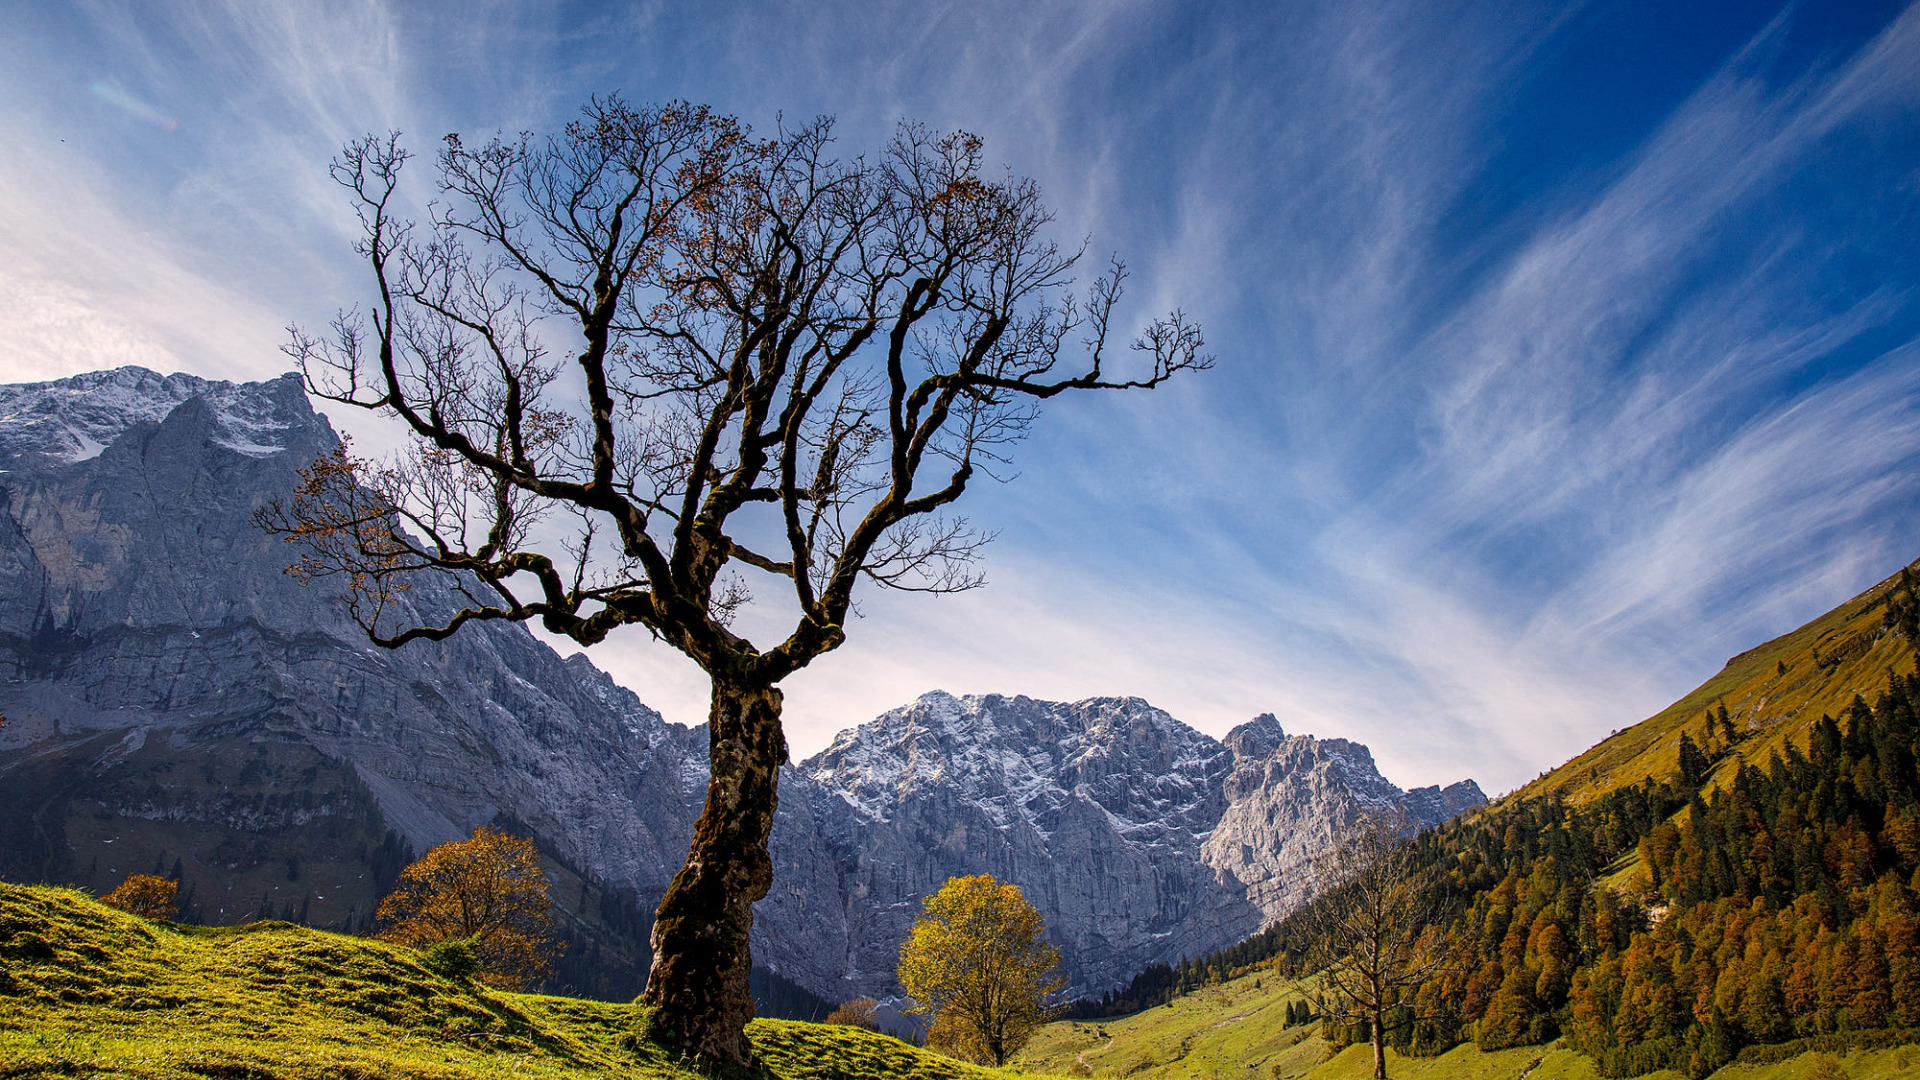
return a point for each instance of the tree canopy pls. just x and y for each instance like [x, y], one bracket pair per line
[788, 365]
[979, 963]
[774, 344]
[489, 891]
[1775, 902]
[861, 1012]
[149, 896]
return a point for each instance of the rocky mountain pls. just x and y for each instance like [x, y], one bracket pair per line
[180, 705]
[1096, 809]
[1137, 835]
[179, 702]
[1291, 796]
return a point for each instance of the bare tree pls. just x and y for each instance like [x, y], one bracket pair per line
[1379, 933]
[785, 364]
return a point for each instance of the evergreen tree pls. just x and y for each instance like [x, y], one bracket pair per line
[1693, 762]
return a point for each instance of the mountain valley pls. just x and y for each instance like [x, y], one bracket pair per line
[180, 705]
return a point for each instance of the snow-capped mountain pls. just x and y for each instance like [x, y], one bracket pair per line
[74, 419]
[1096, 809]
[1142, 839]
[179, 704]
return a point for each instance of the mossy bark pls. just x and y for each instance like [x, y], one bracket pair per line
[700, 936]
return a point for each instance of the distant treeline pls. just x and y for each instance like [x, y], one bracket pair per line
[1780, 906]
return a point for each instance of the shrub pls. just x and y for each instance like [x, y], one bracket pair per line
[147, 896]
[1824, 1066]
[860, 1013]
[454, 958]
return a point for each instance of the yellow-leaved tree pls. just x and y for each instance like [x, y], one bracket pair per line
[146, 895]
[488, 891]
[979, 963]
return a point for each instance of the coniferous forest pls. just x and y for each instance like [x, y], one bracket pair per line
[1670, 923]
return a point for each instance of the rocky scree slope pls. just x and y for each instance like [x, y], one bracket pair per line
[181, 705]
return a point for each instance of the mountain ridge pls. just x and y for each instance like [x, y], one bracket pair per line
[178, 696]
[1774, 693]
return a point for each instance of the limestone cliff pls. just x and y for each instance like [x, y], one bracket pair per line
[181, 705]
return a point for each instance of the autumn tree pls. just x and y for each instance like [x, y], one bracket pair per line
[149, 896]
[786, 367]
[489, 891]
[860, 1012]
[979, 963]
[1378, 934]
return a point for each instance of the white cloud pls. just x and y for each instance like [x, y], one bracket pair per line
[1474, 507]
[85, 287]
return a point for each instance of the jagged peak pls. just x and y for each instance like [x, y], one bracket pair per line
[973, 720]
[1434, 804]
[74, 419]
[1257, 738]
[639, 717]
[1014, 754]
[1347, 749]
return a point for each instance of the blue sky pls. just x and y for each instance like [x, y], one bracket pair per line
[1564, 350]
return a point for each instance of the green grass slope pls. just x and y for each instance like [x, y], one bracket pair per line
[1773, 693]
[89, 991]
[1236, 1030]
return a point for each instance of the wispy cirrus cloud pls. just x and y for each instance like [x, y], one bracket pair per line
[1638, 442]
[198, 238]
[1500, 454]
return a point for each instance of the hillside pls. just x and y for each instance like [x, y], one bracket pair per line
[1773, 694]
[1708, 886]
[1238, 1028]
[86, 990]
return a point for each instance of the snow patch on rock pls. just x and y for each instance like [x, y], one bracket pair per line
[74, 419]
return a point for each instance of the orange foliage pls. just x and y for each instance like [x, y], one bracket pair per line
[147, 896]
[489, 890]
[860, 1013]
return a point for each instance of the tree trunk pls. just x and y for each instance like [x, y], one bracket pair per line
[1379, 1047]
[700, 954]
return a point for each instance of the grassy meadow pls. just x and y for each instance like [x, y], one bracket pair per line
[88, 991]
[1237, 1030]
